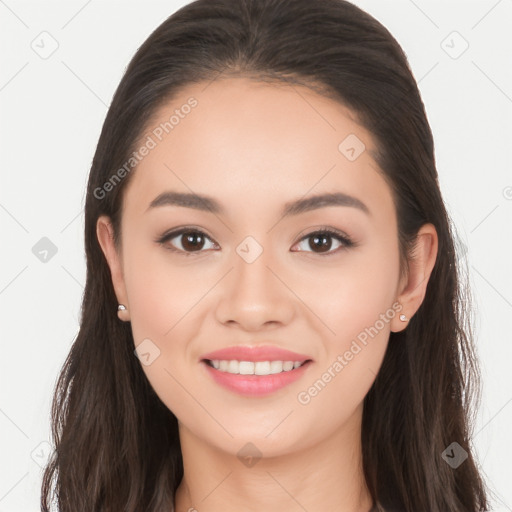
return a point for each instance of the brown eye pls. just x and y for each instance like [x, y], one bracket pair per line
[321, 242]
[187, 241]
[192, 241]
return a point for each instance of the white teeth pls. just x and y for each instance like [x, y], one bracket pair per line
[262, 368]
[254, 368]
[244, 367]
[276, 366]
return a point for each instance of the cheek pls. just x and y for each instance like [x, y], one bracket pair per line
[351, 294]
[356, 304]
[160, 296]
[160, 292]
[163, 299]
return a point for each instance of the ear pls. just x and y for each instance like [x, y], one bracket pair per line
[421, 262]
[105, 234]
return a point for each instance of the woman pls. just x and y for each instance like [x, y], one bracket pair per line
[273, 318]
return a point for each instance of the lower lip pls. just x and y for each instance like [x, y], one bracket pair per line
[255, 385]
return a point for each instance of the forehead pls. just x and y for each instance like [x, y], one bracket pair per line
[236, 137]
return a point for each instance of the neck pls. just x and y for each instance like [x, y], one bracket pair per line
[324, 476]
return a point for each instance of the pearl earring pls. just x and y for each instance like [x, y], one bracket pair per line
[403, 318]
[121, 307]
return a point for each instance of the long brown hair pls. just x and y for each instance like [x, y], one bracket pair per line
[116, 444]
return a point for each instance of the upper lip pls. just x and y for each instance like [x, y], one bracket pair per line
[260, 353]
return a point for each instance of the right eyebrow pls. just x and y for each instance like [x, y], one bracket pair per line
[187, 200]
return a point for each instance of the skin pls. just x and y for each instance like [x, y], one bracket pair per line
[254, 147]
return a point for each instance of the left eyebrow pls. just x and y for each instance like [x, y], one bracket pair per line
[206, 203]
[323, 201]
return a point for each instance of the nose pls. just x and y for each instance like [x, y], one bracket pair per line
[254, 294]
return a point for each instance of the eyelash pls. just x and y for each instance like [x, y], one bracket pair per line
[345, 240]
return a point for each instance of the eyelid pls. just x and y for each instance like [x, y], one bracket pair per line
[344, 239]
[173, 233]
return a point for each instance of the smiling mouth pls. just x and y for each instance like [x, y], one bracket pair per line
[262, 368]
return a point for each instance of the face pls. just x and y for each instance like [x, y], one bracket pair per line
[247, 267]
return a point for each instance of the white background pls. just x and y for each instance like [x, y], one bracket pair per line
[51, 114]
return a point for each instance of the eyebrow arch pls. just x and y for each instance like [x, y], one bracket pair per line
[322, 201]
[206, 203]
